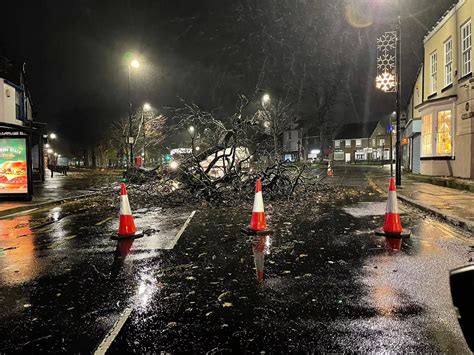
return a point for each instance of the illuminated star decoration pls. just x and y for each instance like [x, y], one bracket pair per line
[385, 82]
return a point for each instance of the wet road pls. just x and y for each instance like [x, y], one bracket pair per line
[321, 282]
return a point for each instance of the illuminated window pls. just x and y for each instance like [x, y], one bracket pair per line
[358, 142]
[466, 48]
[373, 142]
[381, 142]
[443, 133]
[337, 144]
[434, 66]
[426, 135]
[448, 62]
[348, 142]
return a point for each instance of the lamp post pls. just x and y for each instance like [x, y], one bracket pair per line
[134, 63]
[146, 107]
[389, 80]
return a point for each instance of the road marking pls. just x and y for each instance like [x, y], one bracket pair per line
[181, 231]
[112, 334]
[19, 213]
[103, 221]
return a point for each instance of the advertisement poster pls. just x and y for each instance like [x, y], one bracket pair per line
[13, 166]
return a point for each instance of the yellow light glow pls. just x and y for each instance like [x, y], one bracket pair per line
[135, 63]
[385, 81]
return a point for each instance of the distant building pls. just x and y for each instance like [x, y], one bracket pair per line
[292, 143]
[357, 142]
[443, 97]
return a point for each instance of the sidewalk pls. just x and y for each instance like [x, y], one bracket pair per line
[61, 188]
[453, 205]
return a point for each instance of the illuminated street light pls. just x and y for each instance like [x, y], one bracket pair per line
[191, 129]
[146, 107]
[50, 151]
[265, 99]
[53, 136]
[135, 63]
[174, 165]
[197, 149]
[47, 145]
[55, 154]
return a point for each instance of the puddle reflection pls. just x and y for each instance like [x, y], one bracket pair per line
[18, 259]
[121, 252]
[260, 246]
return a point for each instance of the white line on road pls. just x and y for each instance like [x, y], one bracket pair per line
[112, 334]
[18, 213]
[181, 231]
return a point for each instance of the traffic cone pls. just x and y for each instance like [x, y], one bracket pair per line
[258, 221]
[392, 224]
[392, 227]
[123, 247]
[258, 247]
[127, 227]
[330, 172]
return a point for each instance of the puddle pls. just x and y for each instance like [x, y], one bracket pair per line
[364, 209]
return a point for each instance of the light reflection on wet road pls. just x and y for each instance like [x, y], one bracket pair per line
[322, 282]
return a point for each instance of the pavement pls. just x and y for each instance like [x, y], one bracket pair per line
[453, 205]
[322, 282]
[61, 188]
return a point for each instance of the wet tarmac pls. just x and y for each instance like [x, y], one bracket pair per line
[322, 282]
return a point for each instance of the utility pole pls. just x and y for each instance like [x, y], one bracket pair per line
[398, 151]
[130, 119]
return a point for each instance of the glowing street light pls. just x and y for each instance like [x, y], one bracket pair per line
[52, 136]
[55, 154]
[174, 165]
[47, 145]
[50, 151]
[197, 149]
[146, 106]
[265, 99]
[135, 63]
[191, 129]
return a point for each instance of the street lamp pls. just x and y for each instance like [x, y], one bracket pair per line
[146, 107]
[134, 63]
[52, 136]
[50, 151]
[191, 130]
[265, 99]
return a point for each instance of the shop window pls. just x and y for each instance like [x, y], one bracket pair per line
[443, 133]
[426, 135]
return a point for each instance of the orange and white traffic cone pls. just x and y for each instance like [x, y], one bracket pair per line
[127, 227]
[258, 247]
[392, 224]
[392, 227]
[258, 221]
[330, 172]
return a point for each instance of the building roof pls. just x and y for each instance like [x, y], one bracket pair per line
[356, 130]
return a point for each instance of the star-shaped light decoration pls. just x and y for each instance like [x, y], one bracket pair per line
[385, 82]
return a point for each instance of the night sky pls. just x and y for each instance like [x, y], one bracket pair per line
[205, 51]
